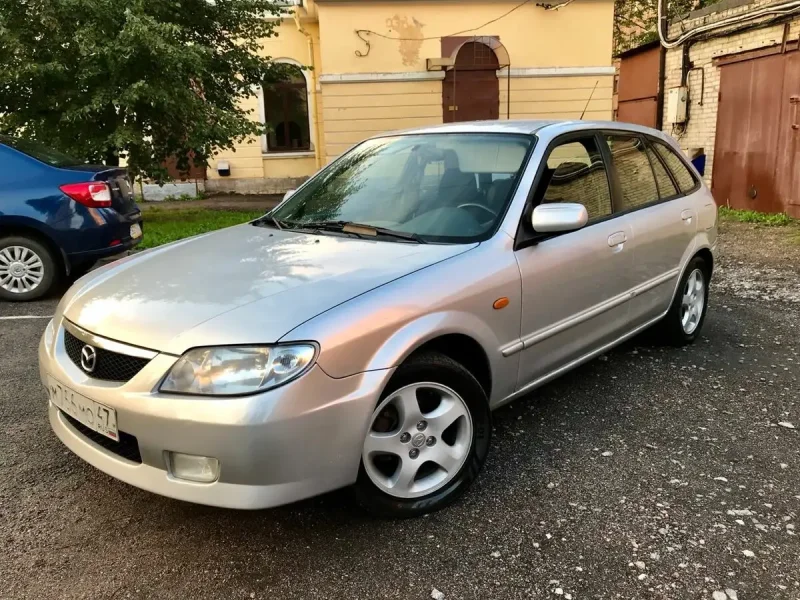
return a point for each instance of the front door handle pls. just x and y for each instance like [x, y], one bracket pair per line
[617, 239]
[687, 215]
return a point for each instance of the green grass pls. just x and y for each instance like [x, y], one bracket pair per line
[752, 216]
[162, 226]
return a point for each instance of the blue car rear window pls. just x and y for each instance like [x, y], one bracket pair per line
[40, 152]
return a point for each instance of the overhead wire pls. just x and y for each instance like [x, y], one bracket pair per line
[438, 37]
[776, 10]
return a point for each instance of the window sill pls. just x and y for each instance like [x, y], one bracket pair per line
[302, 154]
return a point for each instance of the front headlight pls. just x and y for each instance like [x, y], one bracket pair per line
[233, 371]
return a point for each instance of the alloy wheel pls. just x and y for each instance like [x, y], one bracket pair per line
[21, 269]
[418, 440]
[693, 301]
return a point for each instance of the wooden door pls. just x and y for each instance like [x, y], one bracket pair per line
[470, 90]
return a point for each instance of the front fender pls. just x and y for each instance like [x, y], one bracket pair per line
[380, 329]
[418, 332]
[415, 334]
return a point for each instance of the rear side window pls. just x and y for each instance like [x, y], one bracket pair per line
[576, 173]
[636, 179]
[666, 187]
[683, 175]
[40, 152]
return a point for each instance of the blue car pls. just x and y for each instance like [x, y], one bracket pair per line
[58, 217]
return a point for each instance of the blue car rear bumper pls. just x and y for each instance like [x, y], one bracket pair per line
[111, 235]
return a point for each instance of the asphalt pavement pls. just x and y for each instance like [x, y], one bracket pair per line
[649, 473]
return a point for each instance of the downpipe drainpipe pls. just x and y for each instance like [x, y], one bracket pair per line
[314, 94]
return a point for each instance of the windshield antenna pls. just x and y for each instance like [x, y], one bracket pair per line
[590, 99]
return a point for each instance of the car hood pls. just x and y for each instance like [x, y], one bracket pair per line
[241, 285]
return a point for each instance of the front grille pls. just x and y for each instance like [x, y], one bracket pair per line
[127, 447]
[110, 366]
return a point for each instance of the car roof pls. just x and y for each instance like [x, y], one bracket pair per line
[551, 128]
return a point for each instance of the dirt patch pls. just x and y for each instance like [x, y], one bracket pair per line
[759, 262]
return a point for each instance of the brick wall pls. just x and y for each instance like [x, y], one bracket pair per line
[701, 129]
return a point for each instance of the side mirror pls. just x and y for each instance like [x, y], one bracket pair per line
[552, 218]
[289, 193]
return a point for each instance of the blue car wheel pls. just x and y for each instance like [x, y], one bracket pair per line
[27, 269]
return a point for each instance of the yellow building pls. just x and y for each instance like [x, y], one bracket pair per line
[382, 65]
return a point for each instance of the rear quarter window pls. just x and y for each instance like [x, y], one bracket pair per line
[684, 177]
[665, 185]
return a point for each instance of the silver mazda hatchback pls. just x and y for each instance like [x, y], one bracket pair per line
[362, 332]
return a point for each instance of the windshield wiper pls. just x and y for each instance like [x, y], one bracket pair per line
[269, 219]
[402, 235]
[359, 229]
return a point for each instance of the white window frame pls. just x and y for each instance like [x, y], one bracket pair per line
[265, 152]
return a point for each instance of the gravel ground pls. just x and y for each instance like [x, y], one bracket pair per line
[759, 262]
[649, 473]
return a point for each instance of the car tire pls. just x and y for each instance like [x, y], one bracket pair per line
[684, 320]
[35, 267]
[443, 390]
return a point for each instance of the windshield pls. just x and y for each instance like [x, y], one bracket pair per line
[40, 152]
[450, 188]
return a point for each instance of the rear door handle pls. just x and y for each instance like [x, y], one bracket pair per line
[687, 215]
[617, 239]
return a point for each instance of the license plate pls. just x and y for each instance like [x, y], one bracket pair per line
[136, 231]
[97, 417]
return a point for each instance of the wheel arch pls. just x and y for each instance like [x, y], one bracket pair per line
[466, 351]
[708, 257]
[32, 229]
[703, 252]
[461, 336]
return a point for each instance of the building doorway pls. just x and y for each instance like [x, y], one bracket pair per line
[470, 90]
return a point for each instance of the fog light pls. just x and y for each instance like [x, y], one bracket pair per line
[202, 469]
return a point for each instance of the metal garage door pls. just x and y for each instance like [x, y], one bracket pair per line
[639, 76]
[758, 126]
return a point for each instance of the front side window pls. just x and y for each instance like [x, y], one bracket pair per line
[286, 113]
[682, 174]
[575, 173]
[449, 188]
[636, 179]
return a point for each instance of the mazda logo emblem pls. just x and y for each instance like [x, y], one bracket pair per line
[88, 358]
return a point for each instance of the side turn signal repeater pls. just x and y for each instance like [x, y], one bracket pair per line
[500, 303]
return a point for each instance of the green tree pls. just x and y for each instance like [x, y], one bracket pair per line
[140, 79]
[636, 21]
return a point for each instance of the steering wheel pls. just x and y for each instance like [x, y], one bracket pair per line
[481, 206]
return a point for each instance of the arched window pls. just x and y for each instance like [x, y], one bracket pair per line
[286, 113]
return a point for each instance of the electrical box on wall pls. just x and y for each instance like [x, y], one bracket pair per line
[223, 168]
[677, 99]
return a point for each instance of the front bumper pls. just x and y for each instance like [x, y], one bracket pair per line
[293, 442]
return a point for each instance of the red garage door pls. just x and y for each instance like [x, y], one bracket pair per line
[758, 134]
